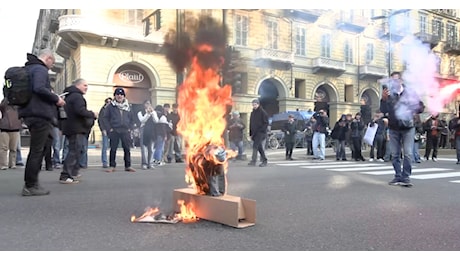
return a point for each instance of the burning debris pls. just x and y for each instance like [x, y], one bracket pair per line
[203, 103]
[153, 215]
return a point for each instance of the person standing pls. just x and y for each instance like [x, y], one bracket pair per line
[443, 133]
[379, 138]
[166, 158]
[309, 135]
[10, 125]
[161, 131]
[40, 115]
[454, 126]
[258, 125]
[417, 138]
[289, 129]
[432, 127]
[147, 118]
[356, 128]
[120, 121]
[78, 124]
[103, 127]
[175, 148]
[319, 135]
[235, 134]
[340, 129]
[400, 107]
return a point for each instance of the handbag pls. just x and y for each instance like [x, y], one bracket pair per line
[370, 134]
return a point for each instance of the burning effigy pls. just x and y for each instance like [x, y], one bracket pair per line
[203, 106]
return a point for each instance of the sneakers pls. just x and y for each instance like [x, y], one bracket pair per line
[34, 191]
[252, 163]
[371, 159]
[380, 160]
[435, 159]
[144, 167]
[263, 164]
[68, 181]
[111, 169]
[394, 182]
[130, 169]
[3, 168]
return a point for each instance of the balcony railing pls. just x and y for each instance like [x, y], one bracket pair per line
[372, 71]
[348, 22]
[274, 55]
[93, 25]
[322, 63]
[425, 37]
[452, 47]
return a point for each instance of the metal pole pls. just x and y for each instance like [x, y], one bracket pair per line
[389, 46]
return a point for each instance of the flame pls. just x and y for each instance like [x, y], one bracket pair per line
[187, 213]
[149, 212]
[203, 106]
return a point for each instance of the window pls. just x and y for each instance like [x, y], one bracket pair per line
[272, 34]
[134, 16]
[326, 46]
[241, 30]
[452, 67]
[369, 53]
[300, 41]
[348, 52]
[152, 22]
[438, 28]
[451, 32]
[423, 23]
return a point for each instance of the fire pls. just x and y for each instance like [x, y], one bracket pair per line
[149, 212]
[187, 214]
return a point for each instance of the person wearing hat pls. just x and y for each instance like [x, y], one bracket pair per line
[119, 120]
[357, 127]
[235, 134]
[258, 125]
[289, 129]
[103, 128]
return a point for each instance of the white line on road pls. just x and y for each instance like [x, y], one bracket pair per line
[360, 167]
[435, 176]
[413, 171]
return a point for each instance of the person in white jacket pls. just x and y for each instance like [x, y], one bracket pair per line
[148, 118]
[162, 128]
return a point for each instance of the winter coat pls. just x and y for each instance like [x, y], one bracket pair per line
[43, 101]
[79, 120]
[290, 131]
[258, 122]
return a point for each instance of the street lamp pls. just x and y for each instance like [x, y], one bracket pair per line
[391, 14]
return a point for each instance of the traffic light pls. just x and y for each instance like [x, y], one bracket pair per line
[229, 74]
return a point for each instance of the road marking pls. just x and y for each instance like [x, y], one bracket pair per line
[435, 175]
[413, 171]
[359, 167]
[457, 181]
[313, 163]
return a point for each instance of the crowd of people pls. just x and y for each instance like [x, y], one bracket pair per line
[60, 125]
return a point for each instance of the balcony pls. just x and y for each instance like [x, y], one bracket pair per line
[351, 23]
[76, 29]
[397, 32]
[274, 55]
[428, 38]
[308, 15]
[452, 47]
[369, 71]
[328, 65]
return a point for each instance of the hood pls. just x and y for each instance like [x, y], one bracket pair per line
[72, 89]
[32, 59]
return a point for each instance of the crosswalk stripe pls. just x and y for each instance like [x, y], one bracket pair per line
[360, 166]
[435, 175]
[357, 169]
[456, 181]
[314, 163]
[413, 171]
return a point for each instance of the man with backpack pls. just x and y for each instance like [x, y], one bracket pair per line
[40, 115]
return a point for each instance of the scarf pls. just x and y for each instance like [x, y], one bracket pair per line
[122, 106]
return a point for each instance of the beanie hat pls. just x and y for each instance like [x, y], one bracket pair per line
[255, 101]
[119, 91]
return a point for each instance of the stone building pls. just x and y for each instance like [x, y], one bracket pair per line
[290, 59]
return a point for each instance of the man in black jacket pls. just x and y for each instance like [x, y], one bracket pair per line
[40, 114]
[103, 128]
[258, 124]
[76, 128]
[400, 104]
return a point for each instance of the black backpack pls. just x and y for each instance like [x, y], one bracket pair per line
[16, 88]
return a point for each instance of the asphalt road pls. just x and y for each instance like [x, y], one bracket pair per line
[301, 205]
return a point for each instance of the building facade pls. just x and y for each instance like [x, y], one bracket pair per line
[290, 59]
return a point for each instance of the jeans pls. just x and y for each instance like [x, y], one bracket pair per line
[404, 138]
[457, 147]
[126, 143]
[84, 153]
[175, 147]
[159, 148]
[40, 134]
[105, 146]
[56, 146]
[258, 146]
[146, 150]
[65, 147]
[237, 145]
[73, 158]
[416, 155]
[340, 150]
[319, 139]
[18, 151]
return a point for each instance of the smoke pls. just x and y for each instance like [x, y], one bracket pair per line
[203, 37]
[419, 74]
